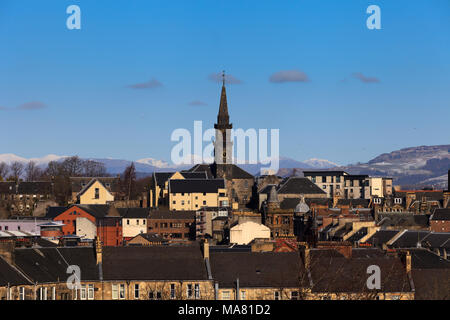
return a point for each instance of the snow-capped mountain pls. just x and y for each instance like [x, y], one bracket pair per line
[9, 158]
[154, 162]
[320, 163]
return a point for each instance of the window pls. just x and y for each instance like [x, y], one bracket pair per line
[115, 292]
[97, 193]
[204, 202]
[42, 294]
[338, 179]
[397, 200]
[189, 291]
[53, 293]
[21, 293]
[226, 295]
[128, 222]
[324, 179]
[83, 292]
[294, 295]
[313, 179]
[137, 222]
[197, 291]
[243, 295]
[276, 295]
[122, 291]
[151, 295]
[143, 222]
[172, 291]
[90, 292]
[136, 291]
[158, 295]
[324, 187]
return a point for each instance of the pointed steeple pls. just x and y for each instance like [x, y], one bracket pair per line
[223, 118]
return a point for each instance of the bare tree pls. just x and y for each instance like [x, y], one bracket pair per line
[4, 169]
[93, 169]
[32, 171]
[72, 166]
[129, 182]
[16, 169]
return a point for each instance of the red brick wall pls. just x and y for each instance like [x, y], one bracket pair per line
[440, 226]
[109, 231]
[68, 218]
[155, 225]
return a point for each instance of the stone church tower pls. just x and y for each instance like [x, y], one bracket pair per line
[223, 146]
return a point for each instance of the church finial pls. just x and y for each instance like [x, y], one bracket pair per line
[223, 78]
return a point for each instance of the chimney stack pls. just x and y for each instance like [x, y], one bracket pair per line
[206, 249]
[98, 250]
[408, 262]
[307, 257]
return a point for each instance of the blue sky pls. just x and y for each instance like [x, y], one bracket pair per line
[70, 91]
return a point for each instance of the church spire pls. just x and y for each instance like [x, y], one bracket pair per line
[223, 118]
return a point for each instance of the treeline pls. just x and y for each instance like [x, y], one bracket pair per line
[59, 172]
[69, 167]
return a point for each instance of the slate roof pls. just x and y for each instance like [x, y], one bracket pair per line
[151, 237]
[44, 243]
[10, 275]
[236, 171]
[357, 235]
[202, 168]
[340, 274]
[78, 183]
[289, 203]
[437, 240]
[402, 219]
[134, 213]
[258, 269]
[425, 259]
[53, 212]
[431, 275]
[381, 236]
[154, 263]
[46, 265]
[410, 239]
[161, 177]
[7, 187]
[196, 185]
[441, 214]
[194, 175]
[96, 210]
[35, 187]
[297, 185]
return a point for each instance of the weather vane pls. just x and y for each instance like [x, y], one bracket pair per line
[223, 77]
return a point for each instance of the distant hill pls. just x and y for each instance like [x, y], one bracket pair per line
[418, 167]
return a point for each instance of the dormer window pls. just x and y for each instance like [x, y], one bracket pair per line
[397, 200]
